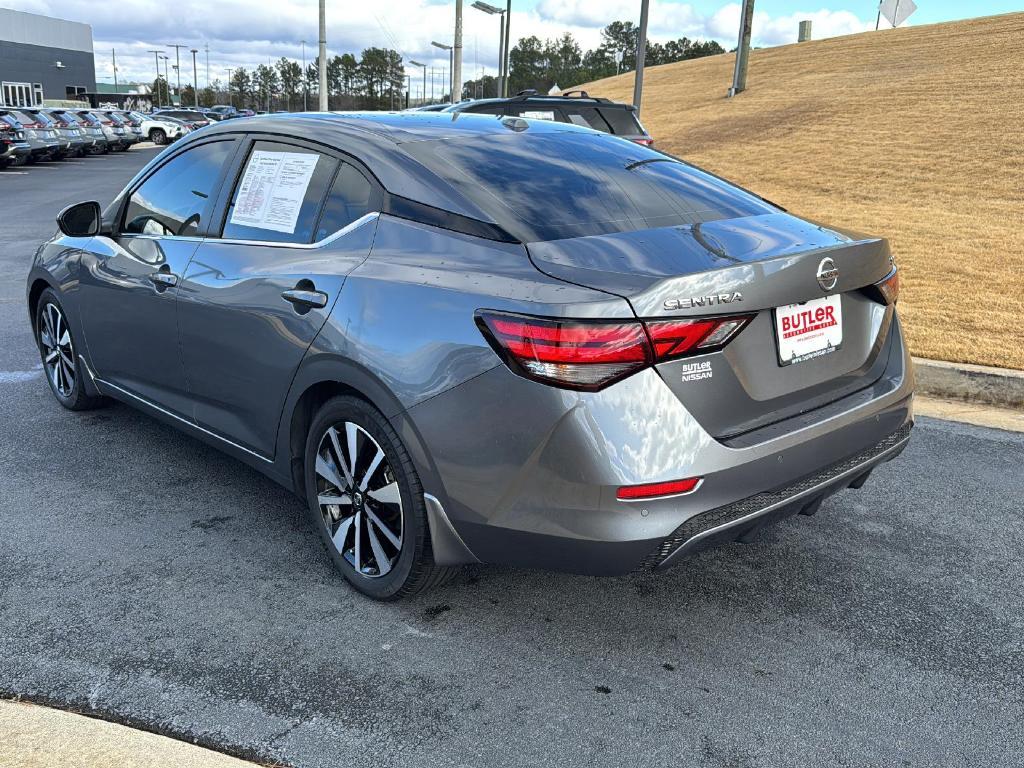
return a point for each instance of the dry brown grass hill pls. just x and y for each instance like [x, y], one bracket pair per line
[916, 134]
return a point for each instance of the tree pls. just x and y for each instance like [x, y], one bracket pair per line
[290, 75]
[188, 95]
[527, 66]
[266, 86]
[160, 92]
[241, 88]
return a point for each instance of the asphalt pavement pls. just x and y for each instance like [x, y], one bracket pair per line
[146, 578]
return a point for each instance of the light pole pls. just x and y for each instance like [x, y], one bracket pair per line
[323, 55]
[491, 10]
[207, 47]
[451, 65]
[167, 79]
[177, 60]
[156, 60]
[739, 76]
[195, 78]
[508, 23]
[231, 99]
[305, 80]
[641, 54]
[417, 64]
[113, 56]
[457, 59]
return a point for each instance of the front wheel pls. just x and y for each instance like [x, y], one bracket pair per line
[62, 367]
[366, 501]
[158, 136]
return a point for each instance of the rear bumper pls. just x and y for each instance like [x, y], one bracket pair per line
[527, 475]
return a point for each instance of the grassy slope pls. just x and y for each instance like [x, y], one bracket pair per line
[916, 134]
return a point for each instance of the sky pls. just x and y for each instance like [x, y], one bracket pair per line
[250, 32]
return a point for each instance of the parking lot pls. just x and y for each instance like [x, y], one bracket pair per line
[149, 579]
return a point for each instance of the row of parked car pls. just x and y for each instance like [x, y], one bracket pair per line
[31, 134]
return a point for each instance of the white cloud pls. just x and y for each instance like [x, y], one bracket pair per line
[247, 33]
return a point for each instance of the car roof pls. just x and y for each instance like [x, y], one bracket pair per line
[376, 139]
[589, 101]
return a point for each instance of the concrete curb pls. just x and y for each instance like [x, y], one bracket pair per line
[974, 383]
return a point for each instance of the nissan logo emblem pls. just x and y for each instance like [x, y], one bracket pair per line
[828, 274]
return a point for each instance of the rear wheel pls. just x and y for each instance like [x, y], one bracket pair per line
[57, 349]
[366, 501]
[158, 136]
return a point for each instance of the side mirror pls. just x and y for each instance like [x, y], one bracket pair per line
[80, 219]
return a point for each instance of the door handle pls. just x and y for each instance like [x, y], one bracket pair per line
[305, 299]
[163, 280]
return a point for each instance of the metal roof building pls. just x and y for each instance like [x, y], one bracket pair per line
[43, 58]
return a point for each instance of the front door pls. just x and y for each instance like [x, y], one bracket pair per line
[130, 281]
[254, 299]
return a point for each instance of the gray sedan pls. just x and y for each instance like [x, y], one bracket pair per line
[465, 339]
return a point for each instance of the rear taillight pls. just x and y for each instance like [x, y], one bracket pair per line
[588, 355]
[644, 142]
[889, 287]
[649, 491]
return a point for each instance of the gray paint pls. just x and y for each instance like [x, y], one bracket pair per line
[523, 473]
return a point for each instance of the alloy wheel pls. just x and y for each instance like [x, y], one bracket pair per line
[58, 352]
[360, 501]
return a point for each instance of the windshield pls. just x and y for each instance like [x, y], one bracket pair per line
[550, 186]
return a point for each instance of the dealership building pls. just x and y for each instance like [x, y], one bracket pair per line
[43, 58]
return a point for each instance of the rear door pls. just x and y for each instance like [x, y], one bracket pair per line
[295, 222]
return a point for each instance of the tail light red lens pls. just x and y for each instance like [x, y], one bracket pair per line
[658, 490]
[644, 142]
[588, 355]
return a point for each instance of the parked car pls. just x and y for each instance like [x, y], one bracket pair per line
[576, 107]
[37, 119]
[506, 341]
[42, 142]
[126, 135]
[91, 127]
[160, 129]
[429, 108]
[106, 128]
[71, 130]
[195, 120]
[224, 111]
[14, 149]
[131, 122]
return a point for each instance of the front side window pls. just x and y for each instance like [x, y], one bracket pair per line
[173, 200]
[279, 194]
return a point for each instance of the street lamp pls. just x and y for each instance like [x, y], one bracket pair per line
[195, 78]
[451, 64]
[167, 80]
[231, 99]
[490, 10]
[305, 80]
[417, 64]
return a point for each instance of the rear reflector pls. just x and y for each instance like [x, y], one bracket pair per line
[889, 287]
[588, 355]
[658, 490]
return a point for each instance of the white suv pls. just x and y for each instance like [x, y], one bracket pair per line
[160, 130]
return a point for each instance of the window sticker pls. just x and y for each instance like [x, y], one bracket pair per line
[538, 115]
[272, 190]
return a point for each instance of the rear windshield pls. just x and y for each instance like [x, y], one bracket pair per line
[550, 186]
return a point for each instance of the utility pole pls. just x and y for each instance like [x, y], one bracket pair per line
[323, 55]
[739, 77]
[231, 100]
[419, 64]
[207, 46]
[641, 54]
[505, 56]
[305, 80]
[195, 78]
[167, 80]
[113, 56]
[457, 60]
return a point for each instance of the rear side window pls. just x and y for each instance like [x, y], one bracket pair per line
[173, 200]
[279, 194]
[351, 198]
[622, 121]
[588, 117]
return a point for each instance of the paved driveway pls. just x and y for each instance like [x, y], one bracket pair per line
[148, 578]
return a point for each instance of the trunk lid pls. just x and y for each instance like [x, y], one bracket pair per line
[744, 266]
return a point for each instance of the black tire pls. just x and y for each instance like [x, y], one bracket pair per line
[158, 136]
[68, 390]
[414, 569]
